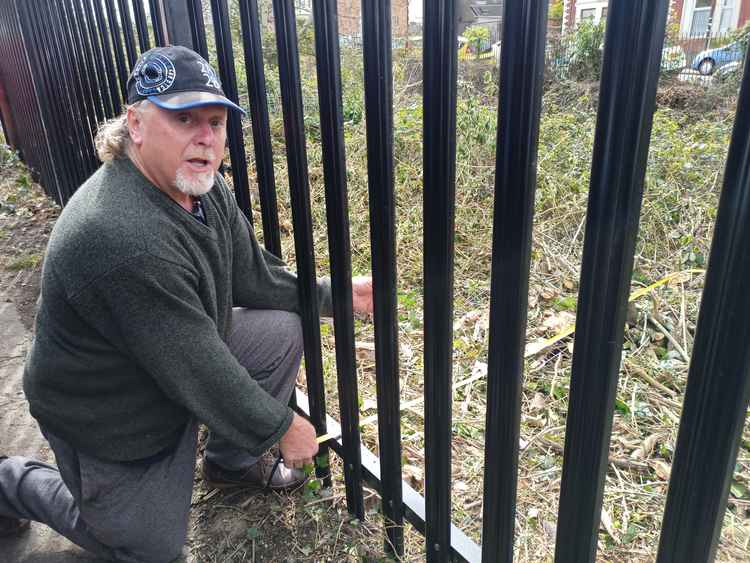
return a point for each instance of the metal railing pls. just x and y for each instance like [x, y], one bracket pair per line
[64, 65]
[578, 53]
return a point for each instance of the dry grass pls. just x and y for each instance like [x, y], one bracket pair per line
[682, 187]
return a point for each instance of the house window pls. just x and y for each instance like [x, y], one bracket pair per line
[604, 13]
[726, 15]
[701, 17]
[303, 4]
[589, 14]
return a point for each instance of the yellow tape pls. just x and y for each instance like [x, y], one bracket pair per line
[570, 329]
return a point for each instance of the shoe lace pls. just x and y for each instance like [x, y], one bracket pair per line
[273, 471]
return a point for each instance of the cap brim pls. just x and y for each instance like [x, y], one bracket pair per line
[190, 100]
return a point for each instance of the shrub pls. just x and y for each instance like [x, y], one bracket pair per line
[585, 48]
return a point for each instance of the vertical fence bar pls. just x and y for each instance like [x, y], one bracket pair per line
[630, 71]
[256, 88]
[48, 66]
[69, 137]
[225, 56]
[114, 30]
[41, 74]
[97, 56]
[139, 15]
[376, 36]
[177, 22]
[439, 200]
[9, 86]
[718, 388]
[521, 82]
[25, 110]
[127, 30]
[114, 92]
[197, 27]
[74, 89]
[86, 60]
[156, 22]
[73, 139]
[78, 87]
[337, 213]
[296, 152]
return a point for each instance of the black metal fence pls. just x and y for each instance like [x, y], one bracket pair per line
[64, 65]
[64, 69]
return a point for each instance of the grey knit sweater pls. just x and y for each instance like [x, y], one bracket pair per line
[135, 313]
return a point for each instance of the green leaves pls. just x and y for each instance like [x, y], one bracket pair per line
[322, 461]
[739, 490]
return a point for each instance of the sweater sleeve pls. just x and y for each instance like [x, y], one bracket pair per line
[150, 308]
[261, 280]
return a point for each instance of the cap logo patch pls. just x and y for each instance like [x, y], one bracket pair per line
[154, 75]
[212, 81]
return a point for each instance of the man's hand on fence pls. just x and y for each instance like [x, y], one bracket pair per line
[362, 294]
[298, 445]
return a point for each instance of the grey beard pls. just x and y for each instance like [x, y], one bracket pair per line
[194, 186]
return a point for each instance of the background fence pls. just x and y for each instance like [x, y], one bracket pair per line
[64, 65]
[577, 55]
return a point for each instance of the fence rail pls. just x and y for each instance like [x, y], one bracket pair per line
[64, 64]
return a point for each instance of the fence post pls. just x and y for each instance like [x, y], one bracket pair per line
[299, 187]
[127, 30]
[157, 22]
[139, 15]
[337, 215]
[623, 130]
[376, 38]
[261, 128]
[521, 77]
[718, 385]
[225, 56]
[177, 19]
[439, 201]
[116, 36]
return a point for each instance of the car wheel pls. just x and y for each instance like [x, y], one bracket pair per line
[706, 67]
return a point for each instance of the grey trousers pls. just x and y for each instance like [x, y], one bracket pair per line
[138, 511]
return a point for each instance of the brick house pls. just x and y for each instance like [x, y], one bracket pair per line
[350, 18]
[691, 15]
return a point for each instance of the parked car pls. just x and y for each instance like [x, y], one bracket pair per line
[706, 62]
[729, 70]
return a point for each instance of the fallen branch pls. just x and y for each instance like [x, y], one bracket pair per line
[617, 461]
[669, 337]
[643, 374]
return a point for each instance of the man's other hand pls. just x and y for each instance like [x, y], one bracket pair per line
[298, 445]
[362, 294]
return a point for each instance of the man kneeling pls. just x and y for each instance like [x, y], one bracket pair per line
[159, 310]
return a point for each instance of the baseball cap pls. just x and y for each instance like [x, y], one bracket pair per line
[176, 78]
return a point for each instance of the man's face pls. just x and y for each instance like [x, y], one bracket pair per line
[179, 150]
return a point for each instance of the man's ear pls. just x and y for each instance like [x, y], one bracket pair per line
[135, 125]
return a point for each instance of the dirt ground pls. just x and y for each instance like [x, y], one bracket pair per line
[26, 219]
[225, 526]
